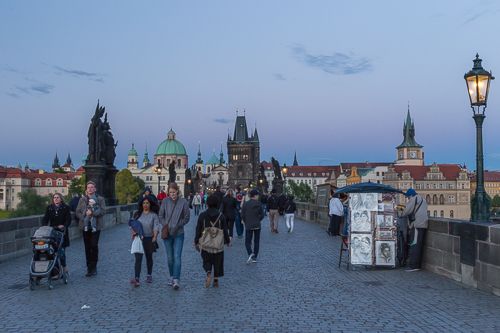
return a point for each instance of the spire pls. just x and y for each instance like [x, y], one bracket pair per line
[146, 161]
[68, 160]
[221, 155]
[409, 132]
[199, 160]
[55, 164]
[228, 135]
[26, 166]
[240, 129]
[295, 159]
[255, 134]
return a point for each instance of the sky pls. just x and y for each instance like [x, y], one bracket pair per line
[331, 80]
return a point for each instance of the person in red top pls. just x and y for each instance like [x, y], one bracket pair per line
[162, 195]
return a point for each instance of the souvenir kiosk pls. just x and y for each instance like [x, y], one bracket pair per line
[373, 229]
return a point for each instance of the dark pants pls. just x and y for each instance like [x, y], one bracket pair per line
[334, 228]
[91, 241]
[196, 209]
[215, 260]
[239, 226]
[138, 263]
[230, 226]
[62, 256]
[248, 241]
[417, 247]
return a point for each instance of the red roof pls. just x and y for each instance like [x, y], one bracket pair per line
[367, 164]
[450, 171]
[489, 176]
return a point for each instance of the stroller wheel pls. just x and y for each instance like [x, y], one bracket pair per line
[32, 284]
[51, 284]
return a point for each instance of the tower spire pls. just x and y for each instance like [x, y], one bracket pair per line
[295, 159]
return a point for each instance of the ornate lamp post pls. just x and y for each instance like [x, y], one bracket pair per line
[285, 170]
[158, 172]
[478, 86]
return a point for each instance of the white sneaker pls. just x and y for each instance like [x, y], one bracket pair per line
[249, 260]
[176, 284]
[86, 228]
[94, 230]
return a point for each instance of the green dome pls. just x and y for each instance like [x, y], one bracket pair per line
[171, 147]
[132, 151]
[213, 160]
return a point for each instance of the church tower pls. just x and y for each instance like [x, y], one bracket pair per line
[199, 162]
[409, 151]
[145, 161]
[132, 159]
[55, 164]
[243, 154]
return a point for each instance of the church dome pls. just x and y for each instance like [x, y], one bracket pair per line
[132, 151]
[171, 146]
[213, 160]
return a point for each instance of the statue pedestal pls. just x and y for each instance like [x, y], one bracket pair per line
[278, 186]
[104, 178]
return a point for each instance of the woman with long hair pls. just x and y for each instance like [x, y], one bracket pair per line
[174, 215]
[147, 214]
[228, 208]
[58, 216]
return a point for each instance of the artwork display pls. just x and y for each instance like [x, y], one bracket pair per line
[388, 220]
[361, 221]
[380, 207]
[380, 221]
[385, 234]
[361, 249]
[385, 253]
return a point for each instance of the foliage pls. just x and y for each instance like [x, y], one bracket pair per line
[126, 189]
[77, 186]
[141, 182]
[60, 170]
[301, 192]
[495, 202]
[31, 204]
[4, 214]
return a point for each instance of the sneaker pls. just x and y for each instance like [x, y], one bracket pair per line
[254, 260]
[328, 232]
[208, 282]
[215, 284]
[276, 231]
[86, 228]
[149, 279]
[170, 282]
[272, 230]
[412, 269]
[291, 230]
[176, 284]
[94, 229]
[135, 282]
[240, 236]
[288, 229]
[249, 260]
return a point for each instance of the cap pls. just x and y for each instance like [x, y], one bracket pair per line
[410, 192]
[253, 193]
[92, 200]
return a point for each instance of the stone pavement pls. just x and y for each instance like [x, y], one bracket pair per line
[296, 287]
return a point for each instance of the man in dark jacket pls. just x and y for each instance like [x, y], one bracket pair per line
[252, 213]
[218, 192]
[273, 206]
[73, 204]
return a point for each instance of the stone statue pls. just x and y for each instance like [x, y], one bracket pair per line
[277, 168]
[95, 136]
[108, 153]
[262, 174]
[188, 174]
[171, 172]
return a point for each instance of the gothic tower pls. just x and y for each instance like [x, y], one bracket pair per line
[409, 151]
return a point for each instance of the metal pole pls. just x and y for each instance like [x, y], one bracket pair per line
[480, 204]
[159, 176]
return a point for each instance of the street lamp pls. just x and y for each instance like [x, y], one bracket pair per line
[158, 172]
[285, 170]
[478, 86]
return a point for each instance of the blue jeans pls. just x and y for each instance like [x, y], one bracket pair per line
[173, 245]
[62, 256]
[239, 227]
[346, 221]
[264, 207]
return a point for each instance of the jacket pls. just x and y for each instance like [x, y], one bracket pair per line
[252, 213]
[273, 202]
[178, 217]
[196, 200]
[136, 225]
[228, 207]
[151, 195]
[204, 222]
[290, 207]
[219, 195]
[82, 207]
[55, 218]
[421, 219]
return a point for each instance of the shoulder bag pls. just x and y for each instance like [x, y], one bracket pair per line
[164, 229]
[412, 216]
[212, 237]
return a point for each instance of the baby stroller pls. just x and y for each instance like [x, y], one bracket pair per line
[47, 243]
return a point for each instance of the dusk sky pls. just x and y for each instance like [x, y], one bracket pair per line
[329, 79]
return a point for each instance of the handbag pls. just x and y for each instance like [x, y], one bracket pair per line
[212, 237]
[412, 216]
[164, 229]
[137, 245]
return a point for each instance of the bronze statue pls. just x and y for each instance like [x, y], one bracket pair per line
[188, 174]
[109, 153]
[171, 172]
[95, 136]
[277, 168]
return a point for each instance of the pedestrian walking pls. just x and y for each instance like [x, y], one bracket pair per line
[282, 201]
[290, 208]
[196, 203]
[240, 228]
[252, 214]
[91, 239]
[174, 215]
[336, 214]
[273, 205]
[263, 201]
[416, 210]
[218, 192]
[228, 207]
[58, 216]
[213, 259]
[147, 215]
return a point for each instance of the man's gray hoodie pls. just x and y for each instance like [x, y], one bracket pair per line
[421, 219]
[252, 213]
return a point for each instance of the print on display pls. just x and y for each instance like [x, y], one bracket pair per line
[380, 207]
[355, 201]
[384, 253]
[380, 221]
[361, 221]
[388, 220]
[369, 201]
[361, 249]
[385, 234]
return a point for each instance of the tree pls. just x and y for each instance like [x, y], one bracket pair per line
[77, 186]
[31, 204]
[127, 190]
[495, 202]
[60, 170]
[141, 182]
[301, 192]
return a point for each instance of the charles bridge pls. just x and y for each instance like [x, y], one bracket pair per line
[297, 285]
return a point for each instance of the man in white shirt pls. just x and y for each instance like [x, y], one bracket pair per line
[336, 213]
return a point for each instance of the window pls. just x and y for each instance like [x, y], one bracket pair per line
[435, 213]
[163, 177]
[309, 181]
[440, 185]
[59, 182]
[41, 190]
[178, 178]
[48, 190]
[38, 182]
[451, 214]
[451, 198]
[12, 182]
[378, 173]
[208, 169]
[417, 186]
[62, 190]
[12, 190]
[427, 186]
[441, 201]
[406, 185]
[442, 213]
[12, 198]
[434, 201]
[428, 199]
[463, 186]
[382, 174]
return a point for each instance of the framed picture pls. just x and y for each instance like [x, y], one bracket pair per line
[389, 220]
[370, 201]
[385, 253]
[361, 249]
[385, 234]
[361, 221]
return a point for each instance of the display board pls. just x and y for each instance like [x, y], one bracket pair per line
[372, 229]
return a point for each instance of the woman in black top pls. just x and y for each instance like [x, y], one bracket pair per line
[58, 216]
[228, 207]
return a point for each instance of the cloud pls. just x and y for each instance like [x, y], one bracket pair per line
[13, 95]
[44, 88]
[494, 155]
[223, 121]
[475, 17]
[336, 64]
[279, 77]
[80, 74]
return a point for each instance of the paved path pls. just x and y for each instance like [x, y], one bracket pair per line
[296, 287]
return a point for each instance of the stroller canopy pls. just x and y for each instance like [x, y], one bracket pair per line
[367, 188]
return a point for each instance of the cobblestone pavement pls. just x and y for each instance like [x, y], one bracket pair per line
[296, 287]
